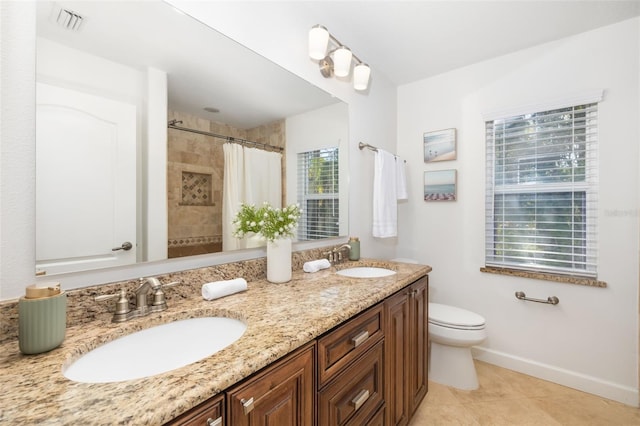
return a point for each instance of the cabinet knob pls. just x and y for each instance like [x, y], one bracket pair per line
[247, 405]
[360, 399]
[216, 422]
[360, 338]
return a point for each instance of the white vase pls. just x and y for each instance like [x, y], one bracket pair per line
[279, 260]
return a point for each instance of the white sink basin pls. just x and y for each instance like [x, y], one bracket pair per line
[155, 350]
[365, 272]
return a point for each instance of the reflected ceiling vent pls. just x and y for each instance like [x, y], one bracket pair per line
[68, 19]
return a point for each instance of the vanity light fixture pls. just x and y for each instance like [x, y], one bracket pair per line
[337, 61]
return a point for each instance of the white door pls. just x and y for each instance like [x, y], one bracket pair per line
[85, 181]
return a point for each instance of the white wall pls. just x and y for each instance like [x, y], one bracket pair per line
[17, 153]
[589, 340]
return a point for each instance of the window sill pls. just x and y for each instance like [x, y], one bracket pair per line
[568, 279]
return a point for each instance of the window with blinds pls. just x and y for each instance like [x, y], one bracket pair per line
[541, 199]
[318, 190]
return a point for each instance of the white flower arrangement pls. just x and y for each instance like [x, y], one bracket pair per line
[268, 222]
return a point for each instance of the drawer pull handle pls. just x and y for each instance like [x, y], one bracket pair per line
[360, 338]
[216, 422]
[360, 399]
[247, 405]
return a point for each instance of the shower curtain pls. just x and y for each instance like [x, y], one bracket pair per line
[252, 176]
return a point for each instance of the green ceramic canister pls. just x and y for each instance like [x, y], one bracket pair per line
[42, 323]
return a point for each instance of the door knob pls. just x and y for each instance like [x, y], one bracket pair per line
[125, 246]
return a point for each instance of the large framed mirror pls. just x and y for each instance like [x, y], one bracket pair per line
[135, 103]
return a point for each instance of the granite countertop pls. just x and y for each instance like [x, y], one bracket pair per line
[279, 318]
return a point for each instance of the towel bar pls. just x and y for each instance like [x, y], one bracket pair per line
[363, 145]
[551, 300]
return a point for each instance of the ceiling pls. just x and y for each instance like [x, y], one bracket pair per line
[405, 41]
[412, 40]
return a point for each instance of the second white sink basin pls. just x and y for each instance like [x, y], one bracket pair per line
[365, 272]
[155, 350]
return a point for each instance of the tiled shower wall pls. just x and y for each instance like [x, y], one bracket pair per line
[195, 172]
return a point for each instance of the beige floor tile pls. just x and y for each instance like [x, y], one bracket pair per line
[589, 410]
[492, 387]
[510, 412]
[442, 415]
[507, 398]
[440, 395]
[530, 386]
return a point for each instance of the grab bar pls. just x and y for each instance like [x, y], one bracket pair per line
[551, 300]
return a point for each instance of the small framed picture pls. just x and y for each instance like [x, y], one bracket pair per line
[440, 145]
[440, 185]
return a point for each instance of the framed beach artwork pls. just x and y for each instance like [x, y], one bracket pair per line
[440, 145]
[440, 185]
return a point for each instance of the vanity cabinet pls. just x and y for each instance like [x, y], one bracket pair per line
[209, 413]
[351, 371]
[370, 370]
[282, 394]
[406, 337]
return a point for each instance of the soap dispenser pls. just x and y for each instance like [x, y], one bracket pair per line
[354, 252]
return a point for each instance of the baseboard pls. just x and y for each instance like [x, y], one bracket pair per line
[572, 379]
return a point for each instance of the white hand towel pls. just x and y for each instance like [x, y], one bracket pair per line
[385, 199]
[401, 179]
[217, 289]
[316, 265]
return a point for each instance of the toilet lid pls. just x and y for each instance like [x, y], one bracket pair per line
[452, 317]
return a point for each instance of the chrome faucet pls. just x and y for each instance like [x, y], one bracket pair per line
[335, 255]
[150, 285]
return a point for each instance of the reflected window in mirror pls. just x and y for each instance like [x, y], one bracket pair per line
[318, 194]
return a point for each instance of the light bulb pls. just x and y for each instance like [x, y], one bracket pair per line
[318, 40]
[361, 75]
[342, 61]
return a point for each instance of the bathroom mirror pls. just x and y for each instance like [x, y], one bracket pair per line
[120, 72]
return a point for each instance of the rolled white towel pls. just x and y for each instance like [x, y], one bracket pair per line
[316, 265]
[217, 289]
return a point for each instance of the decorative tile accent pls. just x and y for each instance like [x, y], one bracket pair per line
[192, 241]
[196, 189]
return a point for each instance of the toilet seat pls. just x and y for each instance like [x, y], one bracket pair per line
[453, 317]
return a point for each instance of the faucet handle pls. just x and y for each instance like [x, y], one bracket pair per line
[171, 284]
[122, 304]
[158, 295]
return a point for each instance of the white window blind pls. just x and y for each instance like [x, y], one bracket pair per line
[318, 190]
[541, 196]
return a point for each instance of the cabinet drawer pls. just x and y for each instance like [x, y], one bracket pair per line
[346, 343]
[209, 413]
[356, 394]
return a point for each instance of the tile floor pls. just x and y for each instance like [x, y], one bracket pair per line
[506, 397]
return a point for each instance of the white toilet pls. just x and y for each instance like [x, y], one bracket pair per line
[452, 332]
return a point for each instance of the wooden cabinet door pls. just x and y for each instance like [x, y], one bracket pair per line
[397, 337]
[406, 336]
[282, 394]
[209, 413]
[418, 353]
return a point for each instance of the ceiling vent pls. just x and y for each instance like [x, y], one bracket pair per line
[69, 19]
